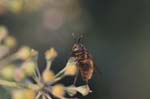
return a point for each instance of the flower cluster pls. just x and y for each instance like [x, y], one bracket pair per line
[16, 68]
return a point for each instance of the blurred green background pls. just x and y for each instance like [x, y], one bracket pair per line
[117, 33]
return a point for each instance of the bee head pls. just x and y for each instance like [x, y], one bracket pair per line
[77, 45]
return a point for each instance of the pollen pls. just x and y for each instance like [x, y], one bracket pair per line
[51, 54]
[30, 94]
[47, 76]
[71, 70]
[58, 90]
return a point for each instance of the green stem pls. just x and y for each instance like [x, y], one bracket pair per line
[57, 79]
[60, 73]
[19, 85]
[49, 62]
[8, 60]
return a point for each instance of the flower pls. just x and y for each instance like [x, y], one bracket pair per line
[50, 54]
[24, 53]
[47, 76]
[71, 67]
[7, 72]
[30, 94]
[10, 41]
[18, 94]
[58, 91]
[29, 67]
[84, 90]
[33, 53]
[71, 90]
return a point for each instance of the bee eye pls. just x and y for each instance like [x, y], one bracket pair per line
[75, 47]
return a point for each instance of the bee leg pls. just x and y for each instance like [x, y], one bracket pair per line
[76, 77]
[86, 82]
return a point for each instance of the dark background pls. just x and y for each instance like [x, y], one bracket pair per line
[116, 34]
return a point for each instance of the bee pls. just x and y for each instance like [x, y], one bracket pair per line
[84, 61]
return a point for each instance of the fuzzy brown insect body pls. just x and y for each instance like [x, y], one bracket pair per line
[84, 60]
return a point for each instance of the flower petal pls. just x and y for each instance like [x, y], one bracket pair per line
[84, 90]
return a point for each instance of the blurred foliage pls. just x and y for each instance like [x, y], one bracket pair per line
[19, 6]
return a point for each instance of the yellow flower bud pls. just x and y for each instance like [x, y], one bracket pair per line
[18, 94]
[48, 76]
[58, 90]
[10, 41]
[71, 70]
[33, 53]
[71, 67]
[50, 54]
[8, 72]
[24, 52]
[30, 94]
[29, 68]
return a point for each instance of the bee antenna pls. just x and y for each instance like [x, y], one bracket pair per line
[73, 35]
[81, 36]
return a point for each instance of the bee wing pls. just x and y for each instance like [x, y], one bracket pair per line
[97, 70]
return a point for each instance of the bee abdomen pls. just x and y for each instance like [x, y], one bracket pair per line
[87, 69]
